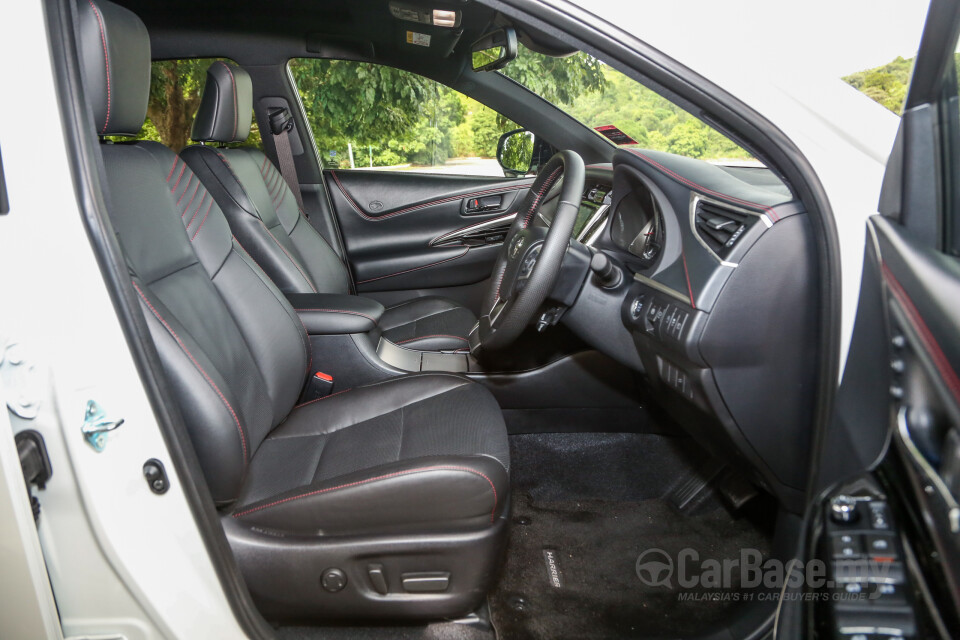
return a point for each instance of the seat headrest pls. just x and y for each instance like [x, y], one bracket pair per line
[225, 106]
[115, 61]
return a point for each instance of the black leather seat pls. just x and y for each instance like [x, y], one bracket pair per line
[264, 217]
[409, 475]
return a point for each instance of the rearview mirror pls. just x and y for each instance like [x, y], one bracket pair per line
[494, 50]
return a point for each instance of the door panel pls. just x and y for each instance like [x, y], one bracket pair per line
[884, 516]
[393, 225]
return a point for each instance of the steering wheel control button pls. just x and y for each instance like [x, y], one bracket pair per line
[425, 582]
[843, 510]
[333, 580]
[636, 308]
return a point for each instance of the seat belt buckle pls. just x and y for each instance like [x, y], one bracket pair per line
[320, 385]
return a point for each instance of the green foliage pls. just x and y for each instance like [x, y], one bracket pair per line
[391, 117]
[887, 84]
[175, 90]
[518, 152]
[650, 119]
[557, 80]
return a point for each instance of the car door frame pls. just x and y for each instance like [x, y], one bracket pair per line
[906, 340]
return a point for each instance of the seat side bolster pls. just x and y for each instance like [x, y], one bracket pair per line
[440, 492]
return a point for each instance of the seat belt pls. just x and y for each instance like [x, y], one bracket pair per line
[281, 126]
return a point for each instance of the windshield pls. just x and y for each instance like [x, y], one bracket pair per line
[619, 108]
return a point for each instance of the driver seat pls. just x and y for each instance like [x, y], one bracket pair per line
[265, 219]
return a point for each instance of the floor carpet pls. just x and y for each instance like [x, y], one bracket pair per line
[585, 506]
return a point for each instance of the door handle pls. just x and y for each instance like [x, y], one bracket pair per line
[473, 206]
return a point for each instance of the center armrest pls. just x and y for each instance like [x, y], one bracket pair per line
[335, 314]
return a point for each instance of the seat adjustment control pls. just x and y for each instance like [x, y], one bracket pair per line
[378, 580]
[333, 580]
[426, 581]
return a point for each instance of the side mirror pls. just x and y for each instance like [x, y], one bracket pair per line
[515, 152]
[494, 50]
[521, 153]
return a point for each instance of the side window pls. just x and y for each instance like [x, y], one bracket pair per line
[368, 116]
[175, 90]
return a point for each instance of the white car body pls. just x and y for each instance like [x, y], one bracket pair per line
[118, 556]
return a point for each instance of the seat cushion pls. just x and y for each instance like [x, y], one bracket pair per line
[430, 323]
[423, 453]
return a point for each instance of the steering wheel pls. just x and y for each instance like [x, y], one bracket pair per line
[527, 267]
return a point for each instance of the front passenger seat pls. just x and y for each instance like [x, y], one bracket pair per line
[388, 500]
[264, 217]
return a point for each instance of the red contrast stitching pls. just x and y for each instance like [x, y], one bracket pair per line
[197, 212]
[243, 439]
[207, 213]
[233, 83]
[353, 313]
[926, 336]
[437, 335]
[176, 159]
[690, 183]
[493, 488]
[106, 60]
[543, 189]
[432, 264]
[424, 205]
[179, 178]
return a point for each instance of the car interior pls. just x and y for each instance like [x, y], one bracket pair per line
[457, 406]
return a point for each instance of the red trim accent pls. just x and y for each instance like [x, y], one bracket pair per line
[432, 264]
[186, 188]
[176, 159]
[197, 212]
[424, 205]
[686, 273]
[930, 343]
[207, 213]
[323, 376]
[106, 60]
[690, 183]
[180, 177]
[407, 472]
[438, 335]
[243, 439]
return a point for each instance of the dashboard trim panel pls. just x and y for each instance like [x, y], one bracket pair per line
[662, 288]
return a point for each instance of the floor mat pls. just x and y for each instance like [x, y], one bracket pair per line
[585, 507]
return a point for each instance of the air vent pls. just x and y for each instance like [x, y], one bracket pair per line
[720, 227]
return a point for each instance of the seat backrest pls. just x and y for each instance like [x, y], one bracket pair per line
[233, 348]
[261, 209]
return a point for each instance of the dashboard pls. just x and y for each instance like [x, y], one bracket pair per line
[714, 309]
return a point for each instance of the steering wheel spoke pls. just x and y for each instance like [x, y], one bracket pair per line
[530, 259]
